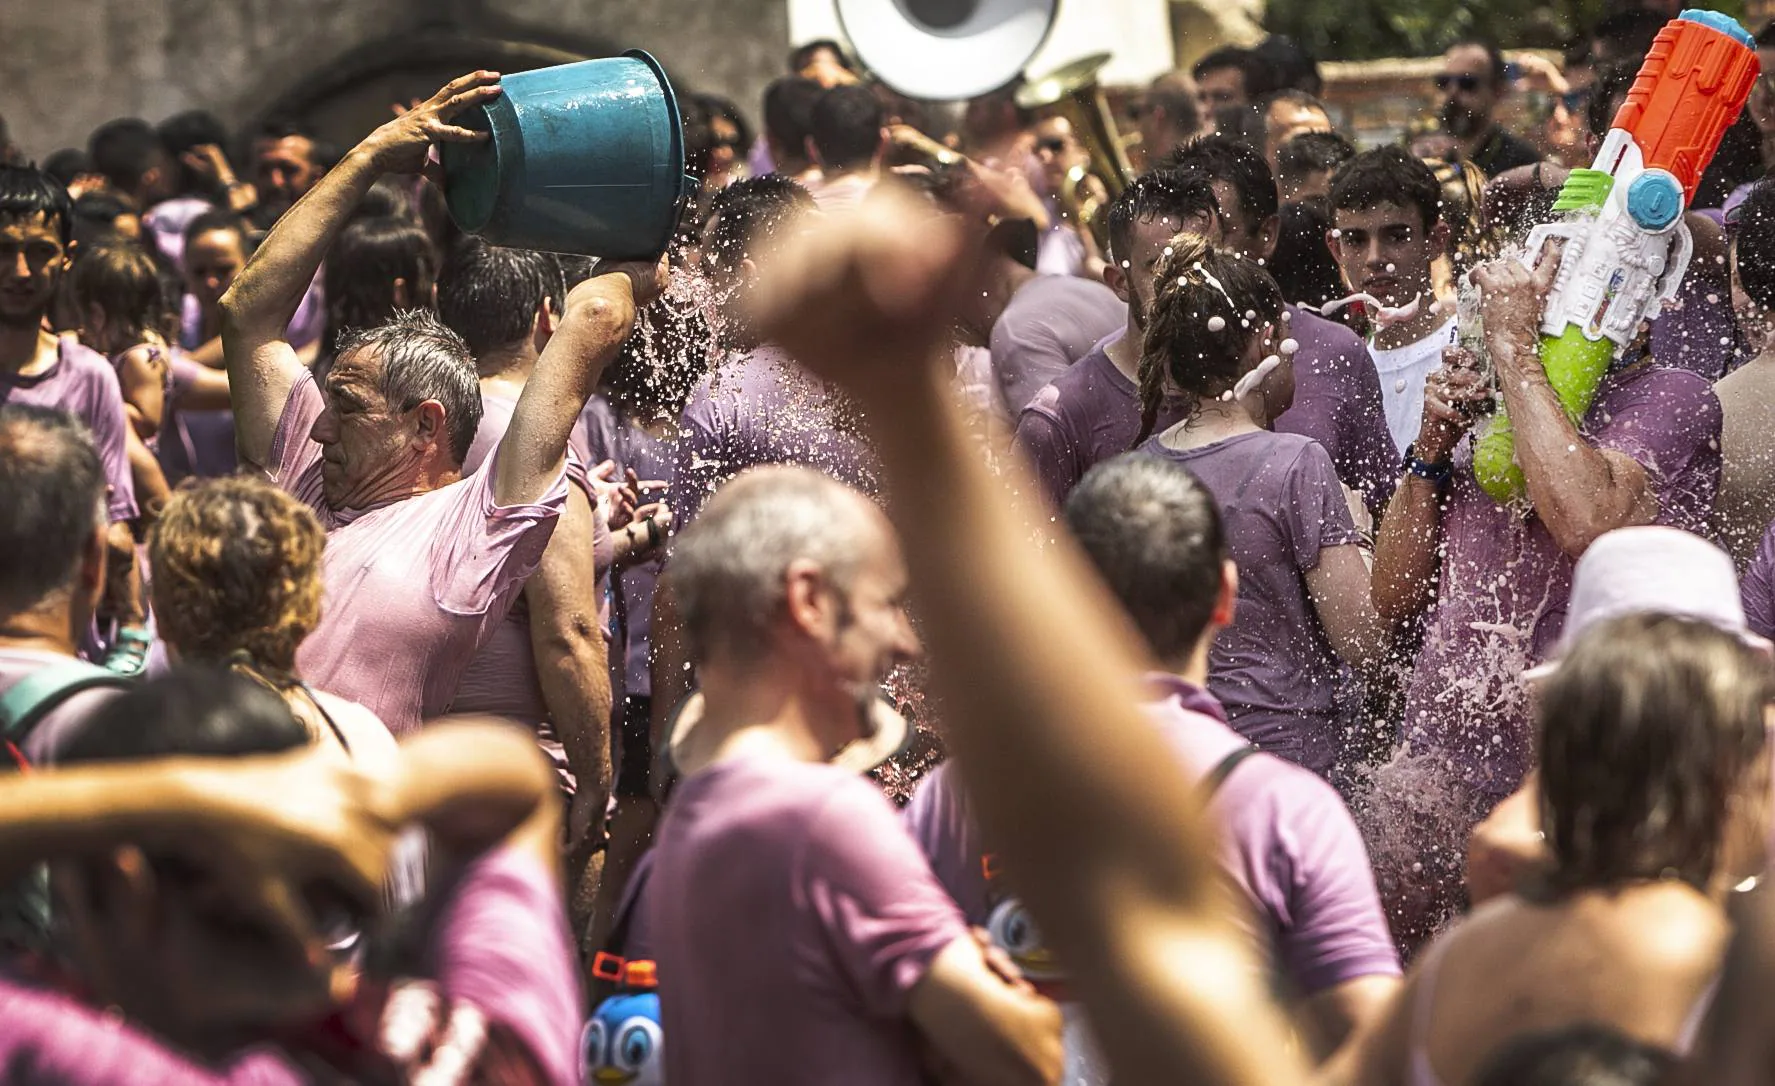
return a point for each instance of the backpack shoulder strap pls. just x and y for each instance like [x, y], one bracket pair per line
[1224, 769]
[26, 702]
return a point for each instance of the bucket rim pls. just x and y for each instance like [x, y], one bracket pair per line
[682, 179]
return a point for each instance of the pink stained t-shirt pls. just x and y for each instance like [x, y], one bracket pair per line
[411, 588]
[792, 917]
[83, 384]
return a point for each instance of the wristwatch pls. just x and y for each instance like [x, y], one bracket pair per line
[1438, 471]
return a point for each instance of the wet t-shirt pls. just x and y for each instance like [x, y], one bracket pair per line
[1050, 323]
[762, 408]
[199, 443]
[1273, 667]
[82, 383]
[1286, 844]
[651, 459]
[1758, 588]
[792, 917]
[412, 588]
[1088, 414]
[1338, 403]
[1505, 584]
[1403, 372]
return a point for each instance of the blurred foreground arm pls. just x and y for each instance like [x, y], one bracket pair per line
[1036, 672]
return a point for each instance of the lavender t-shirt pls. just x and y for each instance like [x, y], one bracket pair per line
[199, 443]
[1338, 403]
[412, 588]
[792, 918]
[762, 408]
[650, 458]
[1050, 323]
[82, 383]
[1274, 668]
[1758, 588]
[1505, 584]
[1286, 842]
[501, 944]
[1087, 415]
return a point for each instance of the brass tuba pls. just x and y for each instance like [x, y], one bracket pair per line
[1072, 92]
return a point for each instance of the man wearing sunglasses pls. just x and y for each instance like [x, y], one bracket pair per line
[1472, 83]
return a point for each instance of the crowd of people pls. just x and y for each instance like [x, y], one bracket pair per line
[953, 617]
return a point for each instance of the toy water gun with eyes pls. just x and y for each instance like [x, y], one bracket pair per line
[621, 1042]
[1626, 246]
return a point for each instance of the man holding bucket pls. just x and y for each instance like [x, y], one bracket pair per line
[421, 563]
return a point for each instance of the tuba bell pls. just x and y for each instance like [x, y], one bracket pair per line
[1072, 92]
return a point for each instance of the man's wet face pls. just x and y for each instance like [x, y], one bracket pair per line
[32, 259]
[1149, 239]
[1385, 251]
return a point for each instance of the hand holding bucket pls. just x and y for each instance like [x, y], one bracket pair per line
[400, 146]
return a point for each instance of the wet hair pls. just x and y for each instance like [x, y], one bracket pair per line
[1293, 65]
[846, 127]
[124, 150]
[1260, 76]
[1753, 240]
[747, 212]
[52, 487]
[1155, 536]
[1387, 175]
[1738, 160]
[1182, 352]
[424, 360]
[363, 264]
[489, 294]
[191, 712]
[188, 131]
[1309, 153]
[658, 365]
[728, 566]
[236, 574]
[1647, 732]
[1239, 164]
[1494, 57]
[67, 164]
[1302, 264]
[121, 280]
[802, 55]
[1581, 1055]
[789, 112]
[1177, 195]
[26, 192]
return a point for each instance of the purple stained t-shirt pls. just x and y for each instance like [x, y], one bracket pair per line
[1505, 584]
[1088, 414]
[413, 587]
[1273, 667]
[1758, 588]
[500, 943]
[792, 917]
[762, 408]
[1287, 844]
[651, 459]
[82, 383]
[1050, 323]
[1338, 403]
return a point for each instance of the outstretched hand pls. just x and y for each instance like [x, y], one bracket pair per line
[400, 145]
[869, 300]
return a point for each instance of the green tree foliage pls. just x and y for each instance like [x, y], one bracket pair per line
[1366, 29]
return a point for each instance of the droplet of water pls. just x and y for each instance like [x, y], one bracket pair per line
[1216, 323]
[1337, 233]
[1227, 396]
[1391, 269]
[1713, 299]
[1571, 448]
[1399, 385]
[1289, 346]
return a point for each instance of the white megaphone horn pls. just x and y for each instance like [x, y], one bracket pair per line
[946, 50]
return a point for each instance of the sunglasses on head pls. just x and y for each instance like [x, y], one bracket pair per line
[1464, 82]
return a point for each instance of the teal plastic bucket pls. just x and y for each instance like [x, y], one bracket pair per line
[585, 158]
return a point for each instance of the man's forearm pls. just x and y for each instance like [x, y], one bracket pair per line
[471, 783]
[57, 813]
[1405, 551]
[572, 661]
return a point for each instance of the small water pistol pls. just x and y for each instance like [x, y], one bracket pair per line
[1626, 246]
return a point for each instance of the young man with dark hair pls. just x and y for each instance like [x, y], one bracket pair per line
[845, 140]
[788, 124]
[1305, 164]
[1387, 229]
[1231, 76]
[1287, 114]
[134, 162]
[1336, 400]
[287, 161]
[1473, 82]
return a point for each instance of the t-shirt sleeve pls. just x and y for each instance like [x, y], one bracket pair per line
[110, 426]
[1043, 439]
[502, 944]
[872, 897]
[1333, 929]
[295, 457]
[1758, 588]
[1026, 355]
[1669, 422]
[1314, 511]
[484, 551]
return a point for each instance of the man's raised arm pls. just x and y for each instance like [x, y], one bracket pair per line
[262, 367]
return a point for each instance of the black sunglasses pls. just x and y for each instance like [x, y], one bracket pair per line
[1465, 82]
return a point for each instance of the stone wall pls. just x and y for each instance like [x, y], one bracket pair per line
[69, 65]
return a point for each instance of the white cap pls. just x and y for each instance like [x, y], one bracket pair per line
[1650, 569]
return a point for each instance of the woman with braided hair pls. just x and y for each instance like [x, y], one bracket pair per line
[1217, 340]
[235, 566]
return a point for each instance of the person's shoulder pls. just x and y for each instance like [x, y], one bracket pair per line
[1673, 388]
[1316, 333]
[371, 741]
